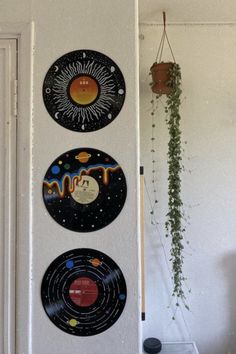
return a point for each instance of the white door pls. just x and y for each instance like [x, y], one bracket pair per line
[8, 76]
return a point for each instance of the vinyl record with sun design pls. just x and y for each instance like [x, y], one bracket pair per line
[84, 189]
[83, 292]
[84, 90]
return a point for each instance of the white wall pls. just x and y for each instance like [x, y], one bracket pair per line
[60, 27]
[207, 58]
[95, 25]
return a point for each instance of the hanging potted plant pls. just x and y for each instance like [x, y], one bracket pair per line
[166, 80]
[161, 77]
[161, 71]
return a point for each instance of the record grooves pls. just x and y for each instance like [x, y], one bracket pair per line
[83, 292]
[84, 189]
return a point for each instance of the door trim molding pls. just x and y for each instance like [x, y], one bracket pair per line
[8, 196]
[24, 33]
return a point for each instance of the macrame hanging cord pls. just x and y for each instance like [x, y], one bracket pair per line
[162, 42]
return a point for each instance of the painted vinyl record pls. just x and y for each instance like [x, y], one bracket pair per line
[84, 189]
[83, 292]
[84, 90]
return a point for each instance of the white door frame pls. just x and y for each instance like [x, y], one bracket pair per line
[18, 310]
[8, 194]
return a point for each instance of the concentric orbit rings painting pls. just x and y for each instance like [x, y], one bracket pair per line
[84, 90]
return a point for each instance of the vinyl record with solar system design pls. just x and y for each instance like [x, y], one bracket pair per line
[84, 90]
[83, 292]
[84, 189]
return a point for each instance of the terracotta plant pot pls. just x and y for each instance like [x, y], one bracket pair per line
[161, 77]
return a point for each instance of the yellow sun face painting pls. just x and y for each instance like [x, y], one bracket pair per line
[84, 90]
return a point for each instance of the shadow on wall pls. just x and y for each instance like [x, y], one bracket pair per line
[229, 268]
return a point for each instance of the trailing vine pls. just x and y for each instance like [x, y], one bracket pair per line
[166, 80]
[173, 225]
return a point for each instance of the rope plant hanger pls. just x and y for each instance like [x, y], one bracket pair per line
[166, 80]
[161, 70]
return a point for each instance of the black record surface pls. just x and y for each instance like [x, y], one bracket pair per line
[83, 292]
[84, 189]
[84, 90]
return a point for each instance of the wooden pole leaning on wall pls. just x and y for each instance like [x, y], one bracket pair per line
[142, 241]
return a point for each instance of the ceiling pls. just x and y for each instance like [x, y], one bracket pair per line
[188, 11]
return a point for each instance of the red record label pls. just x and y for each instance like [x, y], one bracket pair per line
[83, 291]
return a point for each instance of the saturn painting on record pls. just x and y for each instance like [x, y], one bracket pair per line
[84, 189]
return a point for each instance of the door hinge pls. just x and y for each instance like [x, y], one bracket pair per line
[15, 98]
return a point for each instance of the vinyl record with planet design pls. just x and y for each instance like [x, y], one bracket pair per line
[84, 90]
[84, 189]
[83, 292]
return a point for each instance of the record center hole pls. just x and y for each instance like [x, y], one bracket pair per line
[83, 90]
[83, 291]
